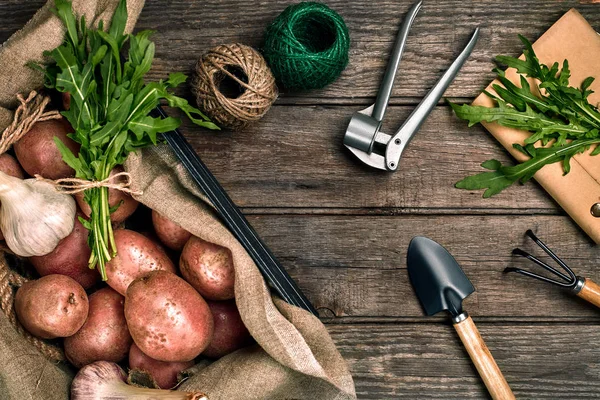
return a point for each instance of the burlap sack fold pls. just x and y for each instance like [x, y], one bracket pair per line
[294, 357]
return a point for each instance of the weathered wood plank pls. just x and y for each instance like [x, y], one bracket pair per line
[356, 267]
[416, 361]
[187, 29]
[295, 157]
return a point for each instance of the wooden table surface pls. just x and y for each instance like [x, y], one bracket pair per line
[342, 229]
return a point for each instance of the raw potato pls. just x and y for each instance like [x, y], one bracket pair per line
[38, 153]
[104, 336]
[70, 257]
[66, 100]
[52, 306]
[124, 211]
[170, 234]
[230, 332]
[167, 318]
[10, 166]
[163, 373]
[208, 268]
[136, 256]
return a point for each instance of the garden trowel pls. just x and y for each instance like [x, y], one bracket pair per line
[440, 284]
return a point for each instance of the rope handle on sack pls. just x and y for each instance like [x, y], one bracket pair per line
[9, 280]
[29, 112]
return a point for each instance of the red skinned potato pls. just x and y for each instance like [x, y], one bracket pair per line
[52, 306]
[136, 256]
[104, 336]
[70, 258]
[167, 318]
[230, 333]
[124, 211]
[208, 268]
[38, 153]
[10, 166]
[163, 373]
[170, 234]
[66, 100]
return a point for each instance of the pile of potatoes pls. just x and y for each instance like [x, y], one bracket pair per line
[169, 295]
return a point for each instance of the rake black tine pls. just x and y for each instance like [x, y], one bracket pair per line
[536, 276]
[542, 264]
[551, 254]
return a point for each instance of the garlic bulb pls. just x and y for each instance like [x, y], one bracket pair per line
[34, 216]
[103, 380]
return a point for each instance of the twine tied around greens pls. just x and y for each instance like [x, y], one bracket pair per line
[9, 280]
[76, 185]
[30, 111]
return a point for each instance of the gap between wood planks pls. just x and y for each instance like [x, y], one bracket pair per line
[392, 211]
[445, 320]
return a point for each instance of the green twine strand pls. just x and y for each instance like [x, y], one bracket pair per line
[307, 46]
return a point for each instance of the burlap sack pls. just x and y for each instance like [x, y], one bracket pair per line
[294, 357]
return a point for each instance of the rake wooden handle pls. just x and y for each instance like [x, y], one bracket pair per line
[590, 292]
[483, 360]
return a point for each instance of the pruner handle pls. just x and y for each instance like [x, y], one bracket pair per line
[483, 360]
[385, 90]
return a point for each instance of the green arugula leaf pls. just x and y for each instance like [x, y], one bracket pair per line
[190, 111]
[153, 126]
[176, 79]
[110, 106]
[559, 118]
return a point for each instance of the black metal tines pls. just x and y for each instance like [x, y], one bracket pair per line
[568, 280]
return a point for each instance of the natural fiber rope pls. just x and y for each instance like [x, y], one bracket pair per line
[259, 92]
[307, 46]
[26, 115]
[9, 280]
[30, 111]
[76, 185]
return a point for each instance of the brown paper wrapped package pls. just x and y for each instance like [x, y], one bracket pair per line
[294, 357]
[570, 38]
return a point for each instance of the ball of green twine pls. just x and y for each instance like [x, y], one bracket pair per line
[307, 46]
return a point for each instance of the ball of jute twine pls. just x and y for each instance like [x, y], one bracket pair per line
[307, 46]
[256, 83]
[30, 111]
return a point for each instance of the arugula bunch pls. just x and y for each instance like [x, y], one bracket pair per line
[559, 117]
[110, 103]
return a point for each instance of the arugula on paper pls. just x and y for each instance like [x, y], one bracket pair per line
[558, 116]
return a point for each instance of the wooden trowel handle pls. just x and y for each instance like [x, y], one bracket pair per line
[483, 360]
[590, 292]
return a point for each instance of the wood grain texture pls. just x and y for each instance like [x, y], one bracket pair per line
[356, 267]
[342, 229]
[590, 292]
[483, 360]
[427, 361]
[441, 29]
[187, 29]
[295, 157]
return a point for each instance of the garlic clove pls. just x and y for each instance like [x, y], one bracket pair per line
[103, 380]
[34, 216]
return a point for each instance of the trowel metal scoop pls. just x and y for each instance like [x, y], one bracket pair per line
[363, 137]
[441, 285]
